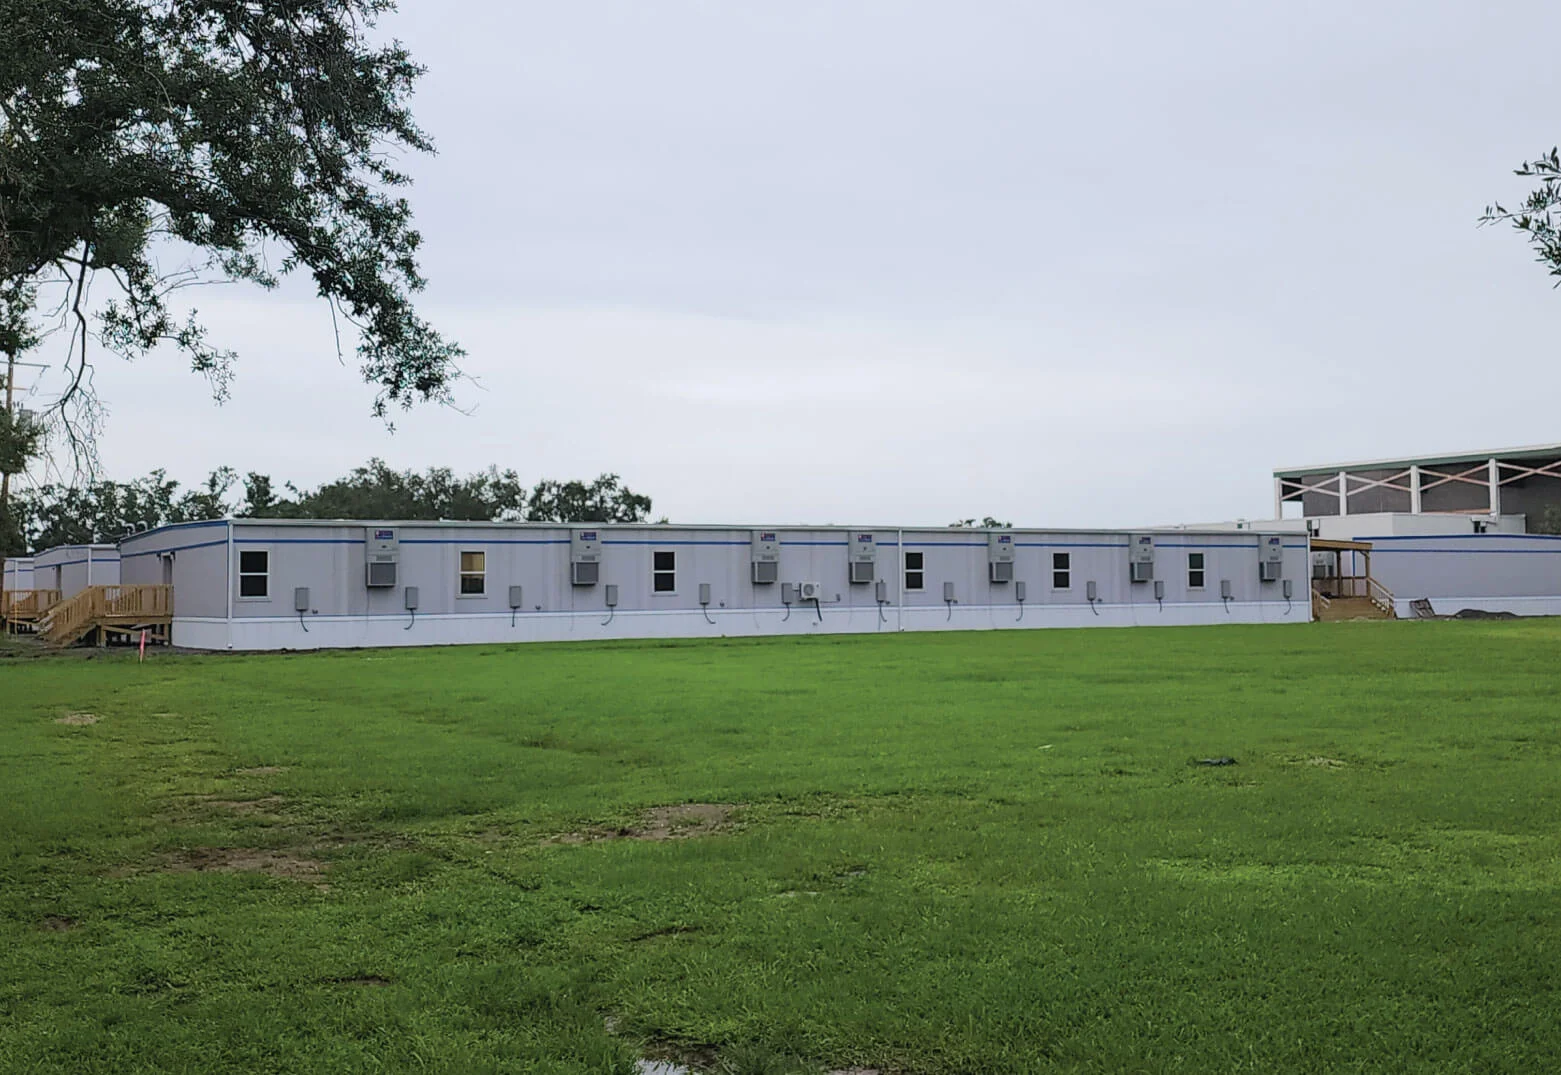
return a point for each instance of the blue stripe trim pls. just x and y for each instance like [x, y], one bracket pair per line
[1472, 552]
[1463, 537]
[689, 541]
[1250, 547]
[1071, 544]
[473, 542]
[195, 525]
[176, 548]
[298, 541]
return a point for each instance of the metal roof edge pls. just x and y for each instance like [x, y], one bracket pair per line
[1422, 460]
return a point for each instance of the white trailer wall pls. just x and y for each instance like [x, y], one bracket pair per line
[328, 558]
[18, 573]
[72, 568]
[1518, 573]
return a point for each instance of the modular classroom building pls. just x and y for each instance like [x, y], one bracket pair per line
[72, 568]
[256, 584]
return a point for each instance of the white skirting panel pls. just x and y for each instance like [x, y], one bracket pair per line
[335, 632]
[1521, 606]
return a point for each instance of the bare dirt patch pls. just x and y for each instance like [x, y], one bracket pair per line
[244, 860]
[679, 822]
[77, 719]
[57, 924]
[261, 770]
[1320, 762]
[265, 806]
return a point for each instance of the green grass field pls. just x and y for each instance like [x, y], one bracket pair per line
[980, 852]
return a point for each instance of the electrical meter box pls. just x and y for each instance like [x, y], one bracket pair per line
[411, 598]
[1271, 558]
[300, 599]
[585, 557]
[382, 554]
[864, 557]
[1140, 558]
[1000, 556]
[765, 557]
[516, 597]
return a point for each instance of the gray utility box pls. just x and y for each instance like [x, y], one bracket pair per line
[765, 557]
[300, 599]
[585, 557]
[411, 598]
[1271, 558]
[864, 558]
[1140, 558]
[382, 555]
[516, 597]
[1000, 556]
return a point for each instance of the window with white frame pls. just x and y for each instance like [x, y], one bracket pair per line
[1195, 571]
[915, 571]
[254, 573]
[474, 573]
[1062, 570]
[664, 571]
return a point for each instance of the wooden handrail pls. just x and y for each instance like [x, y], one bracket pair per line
[1382, 596]
[27, 604]
[70, 619]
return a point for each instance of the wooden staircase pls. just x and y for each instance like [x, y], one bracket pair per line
[1375, 603]
[99, 613]
[20, 610]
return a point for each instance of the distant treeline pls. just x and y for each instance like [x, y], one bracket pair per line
[105, 511]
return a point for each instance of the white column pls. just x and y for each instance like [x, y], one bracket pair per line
[1493, 476]
[1414, 489]
[1279, 498]
[1344, 493]
[230, 584]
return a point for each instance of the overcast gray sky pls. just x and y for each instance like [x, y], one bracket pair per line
[1067, 264]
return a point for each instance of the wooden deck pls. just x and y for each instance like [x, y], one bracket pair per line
[104, 613]
[20, 610]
